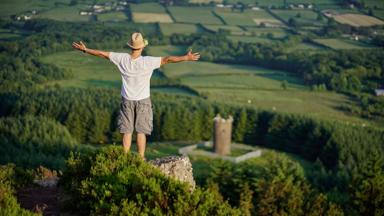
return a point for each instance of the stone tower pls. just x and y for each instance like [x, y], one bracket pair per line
[222, 135]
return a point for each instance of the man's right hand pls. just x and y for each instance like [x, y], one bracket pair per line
[192, 56]
[79, 46]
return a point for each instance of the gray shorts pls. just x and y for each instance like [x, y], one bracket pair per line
[135, 115]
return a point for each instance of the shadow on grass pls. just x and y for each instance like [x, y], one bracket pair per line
[104, 83]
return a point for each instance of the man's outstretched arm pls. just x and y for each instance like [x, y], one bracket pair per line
[81, 46]
[174, 59]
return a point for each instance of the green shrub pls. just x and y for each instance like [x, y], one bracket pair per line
[278, 186]
[8, 202]
[109, 182]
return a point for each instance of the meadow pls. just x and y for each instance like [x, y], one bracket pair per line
[150, 7]
[233, 29]
[250, 39]
[179, 28]
[235, 18]
[112, 17]
[222, 83]
[303, 17]
[64, 13]
[358, 20]
[202, 15]
[342, 44]
[275, 32]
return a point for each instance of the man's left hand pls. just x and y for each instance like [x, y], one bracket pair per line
[79, 46]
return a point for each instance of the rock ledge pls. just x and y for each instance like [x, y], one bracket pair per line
[178, 167]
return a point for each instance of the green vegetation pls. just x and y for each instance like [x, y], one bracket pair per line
[306, 47]
[342, 44]
[112, 183]
[217, 28]
[313, 104]
[33, 141]
[150, 7]
[251, 39]
[11, 7]
[194, 15]
[63, 13]
[8, 202]
[179, 28]
[268, 32]
[303, 17]
[87, 70]
[112, 16]
[236, 18]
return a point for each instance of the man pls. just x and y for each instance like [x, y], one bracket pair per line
[136, 71]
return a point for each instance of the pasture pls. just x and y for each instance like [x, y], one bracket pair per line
[8, 34]
[379, 13]
[250, 39]
[358, 20]
[341, 44]
[232, 29]
[151, 17]
[374, 4]
[303, 46]
[232, 84]
[150, 7]
[254, 86]
[112, 17]
[203, 15]
[64, 13]
[263, 17]
[303, 17]
[13, 7]
[235, 18]
[180, 28]
[275, 32]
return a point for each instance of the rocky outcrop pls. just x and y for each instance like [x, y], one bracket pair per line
[178, 167]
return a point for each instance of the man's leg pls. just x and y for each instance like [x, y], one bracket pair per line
[141, 142]
[127, 140]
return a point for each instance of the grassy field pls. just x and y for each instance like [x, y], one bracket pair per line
[358, 20]
[151, 17]
[149, 13]
[262, 16]
[88, 71]
[12, 7]
[305, 47]
[250, 39]
[231, 84]
[180, 28]
[95, 72]
[303, 17]
[342, 44]
[235, 18]
[7, 34]
[374, 3]
[112, 16]
[147, 8]
[216, 28]
[64, 13]
[379, 13]
[275, 32]
[201, 15]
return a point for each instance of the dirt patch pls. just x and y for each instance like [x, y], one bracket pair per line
[39, 199]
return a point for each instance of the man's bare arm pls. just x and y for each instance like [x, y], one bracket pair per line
[81, 46]
[174, 59]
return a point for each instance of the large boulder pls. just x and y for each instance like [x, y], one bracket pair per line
[178, 167]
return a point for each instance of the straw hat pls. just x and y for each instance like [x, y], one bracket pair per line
[137, 41]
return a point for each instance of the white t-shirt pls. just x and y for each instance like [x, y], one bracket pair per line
[135, 73]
